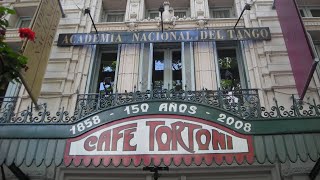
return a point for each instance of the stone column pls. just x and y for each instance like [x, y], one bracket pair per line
[206, 76]
[128, 73]
[199, 9]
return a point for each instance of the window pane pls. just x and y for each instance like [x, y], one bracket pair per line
[176, 70]
[315, 12]
[221, 13]
[24, 22]
[229, 71]
[180, 14]
[158, 70]
[302, 13]
[107, 72]
[153, 15]
[115, 18]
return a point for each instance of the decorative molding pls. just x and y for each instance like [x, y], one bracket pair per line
[132, 26]
[202, 23]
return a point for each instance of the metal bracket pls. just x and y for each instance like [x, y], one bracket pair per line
[18, 173]
[155, 171]
[315, 170]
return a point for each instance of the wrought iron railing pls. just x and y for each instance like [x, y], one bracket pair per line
[7, 105]
[244, 103]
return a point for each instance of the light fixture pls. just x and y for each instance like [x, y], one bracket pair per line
[246, 7]
[87, 11]
[161, 9]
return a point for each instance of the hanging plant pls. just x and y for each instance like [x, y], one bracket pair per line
[11, 61]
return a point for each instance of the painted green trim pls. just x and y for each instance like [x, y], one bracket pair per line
[265, 126]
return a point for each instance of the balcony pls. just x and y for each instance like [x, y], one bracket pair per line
[244, 103]
[7, 108]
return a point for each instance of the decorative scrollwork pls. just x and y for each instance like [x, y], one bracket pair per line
[244, 103]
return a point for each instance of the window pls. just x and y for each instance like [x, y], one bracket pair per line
[167, 69]
[309, 11]
[104, 68]
[153, 14]
[24, 22]
[107, 72]
[315, 12]
[230, 65]
[166, 66]
[113, 17]
[221, 13]
[180, 14]
[302, 13]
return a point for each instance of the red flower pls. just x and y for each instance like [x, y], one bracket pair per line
[27, 33]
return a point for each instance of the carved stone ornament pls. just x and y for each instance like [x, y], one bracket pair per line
[202, 23]
[132, 26]
[199, 1]
[200, 14]
[133, 15]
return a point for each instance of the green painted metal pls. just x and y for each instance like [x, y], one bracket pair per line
[258, 126]
[5, 145]
[61, 144]
[46, 151]
[270, 148]
[13, 151]
[291, 147]
[316, 138]
[301, 148]
[280, 148]
[41, 151]
[31, 151]
[311, 147]
[259, 149]
[22, 150]
[51, 148]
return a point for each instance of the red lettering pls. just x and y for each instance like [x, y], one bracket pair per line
[177, 137]
[127, 138]
[164, 146]
[104, 138]
[218, 140]
[89, 143]
[153, 125]
[205, 145]
[229, 142]
[116, 135]
[191, 128]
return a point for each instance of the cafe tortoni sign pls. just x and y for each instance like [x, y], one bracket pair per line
[77, 39]
[160, 132]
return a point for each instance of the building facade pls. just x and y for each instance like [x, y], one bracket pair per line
[124, 62]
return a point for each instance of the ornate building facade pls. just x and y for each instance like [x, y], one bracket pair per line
[201, 69]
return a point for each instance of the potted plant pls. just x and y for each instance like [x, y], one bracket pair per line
[11, 61]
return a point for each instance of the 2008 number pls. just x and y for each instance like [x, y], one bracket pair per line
[85, 124]
[237, 124]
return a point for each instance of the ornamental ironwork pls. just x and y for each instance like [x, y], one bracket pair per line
[243, 103]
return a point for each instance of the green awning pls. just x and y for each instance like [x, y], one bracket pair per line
[267, 149]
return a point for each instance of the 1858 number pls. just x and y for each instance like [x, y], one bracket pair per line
[81, 126]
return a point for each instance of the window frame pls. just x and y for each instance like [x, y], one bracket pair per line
[115, 13]
[167, 62]
[240, 61]
[152, 11]
[21, 19]
[230, 9]
[94, 73]
[307, 11]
